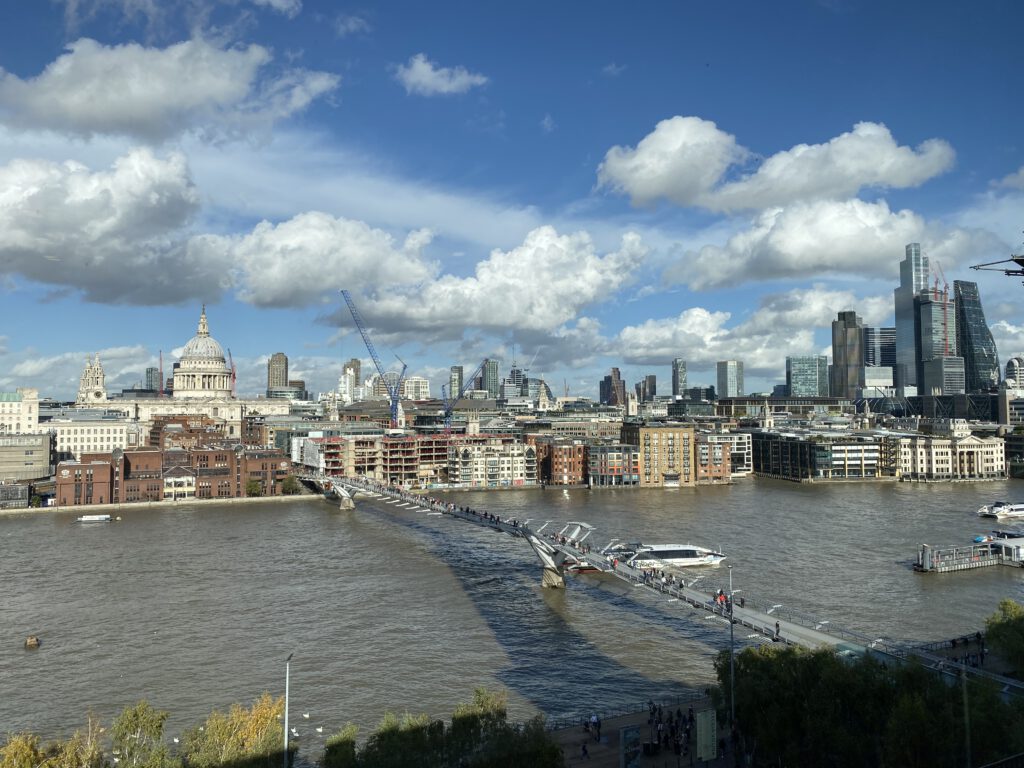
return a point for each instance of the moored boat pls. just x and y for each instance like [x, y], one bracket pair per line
[95, 519]
[638, 555]
[1002, 509]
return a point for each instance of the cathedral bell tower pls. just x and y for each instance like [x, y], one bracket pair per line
[91, 387]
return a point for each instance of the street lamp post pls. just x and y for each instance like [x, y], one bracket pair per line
[287, 675]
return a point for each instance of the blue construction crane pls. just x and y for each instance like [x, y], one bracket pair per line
[449, 404]
[394, 390]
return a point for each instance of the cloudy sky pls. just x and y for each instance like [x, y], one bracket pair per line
[518, 181]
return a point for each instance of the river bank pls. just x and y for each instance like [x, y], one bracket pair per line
[92, 509]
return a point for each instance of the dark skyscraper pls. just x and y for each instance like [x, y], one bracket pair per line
[974, 342]
[847, 354]
[613, 389]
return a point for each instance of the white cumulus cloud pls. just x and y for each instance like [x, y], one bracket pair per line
[1014, 180]
[686, 160]
[824, 238]
[538, 286]
[312, 255]
[154, 94]
[425, 78]
[111, 234]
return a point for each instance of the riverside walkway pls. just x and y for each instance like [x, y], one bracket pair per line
[754, 621]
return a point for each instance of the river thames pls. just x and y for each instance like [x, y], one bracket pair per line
[196, 607]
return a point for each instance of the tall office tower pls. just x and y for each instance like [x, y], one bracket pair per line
[277, 371]
[678, 377]
[913, 280]
[879, 347]
[936, 326]
[807, 376]
[847, 354]
[730, 378]
[356, 366]
[974, 342]
[613, 389]
[491, 382]
[647, 388]
[454, 381]
[515, 381]
[153, 379]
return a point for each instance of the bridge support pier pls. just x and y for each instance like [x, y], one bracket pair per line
[553, 578]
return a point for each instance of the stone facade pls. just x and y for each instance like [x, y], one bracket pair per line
[19, 411]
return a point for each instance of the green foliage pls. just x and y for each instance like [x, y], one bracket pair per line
[21, 751]
[137, 735]
[83, 750]
[479, 737]
[340, 748]
[798, 707]
[246, 736]
[290, 486]
[1004, 632]
[253, 487]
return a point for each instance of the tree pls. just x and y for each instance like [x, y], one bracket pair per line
[246, 736]
[137, 735]
[340, 749]
[253, 487]
[83, 750]
[21, 751]
[290, 486]
[1004, 631]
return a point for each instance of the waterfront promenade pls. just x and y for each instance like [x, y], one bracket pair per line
[607, 752]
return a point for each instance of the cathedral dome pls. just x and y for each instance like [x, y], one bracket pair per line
[202, 371]
[203, 348]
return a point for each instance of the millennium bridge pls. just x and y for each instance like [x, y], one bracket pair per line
[567, 549]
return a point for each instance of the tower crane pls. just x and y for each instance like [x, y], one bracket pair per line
[449, 403]
[394, 389]
[1017, 260]
[945, 304]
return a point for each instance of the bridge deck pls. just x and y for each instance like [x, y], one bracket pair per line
[760, 621]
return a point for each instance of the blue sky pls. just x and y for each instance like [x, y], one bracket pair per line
[614, 187]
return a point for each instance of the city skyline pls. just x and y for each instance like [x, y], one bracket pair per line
[622, 200]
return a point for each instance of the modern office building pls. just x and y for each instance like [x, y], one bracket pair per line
[153, 379]
[943, 375]
[355, 365]
[613, 389]
[647, 388]
[416, 388]
[455, 374]
[1015, 371]
[807, 376]
[730, 378]
[974, 342]
[277, 371]
[880, 347]
[678, 377]
[491, 382]
[936, 328]
[913, 280]
[847, 354]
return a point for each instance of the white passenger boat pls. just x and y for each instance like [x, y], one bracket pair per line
[95, 519]
[638, 555]
[1002, 509]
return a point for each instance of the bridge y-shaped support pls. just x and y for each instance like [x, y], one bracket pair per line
[552, 560]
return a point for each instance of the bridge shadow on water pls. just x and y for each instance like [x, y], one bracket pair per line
[556, 639]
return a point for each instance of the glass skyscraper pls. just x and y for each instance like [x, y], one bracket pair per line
[936, 327]
[807, 376]
[730, 378]
[913, 280]
[678, 377]
[490, 379]
[880, 347]
[974, 342]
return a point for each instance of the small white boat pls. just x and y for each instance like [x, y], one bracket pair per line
[1002, 509]
[95, 519]
[637, 555]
